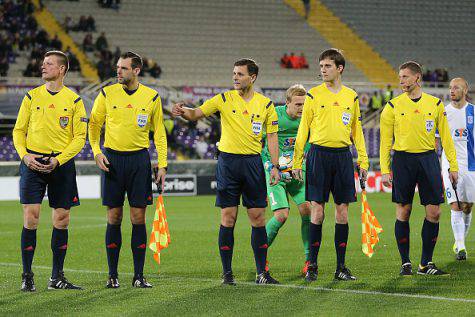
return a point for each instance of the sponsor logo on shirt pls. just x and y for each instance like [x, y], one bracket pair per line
[289, 142]
[460, 134]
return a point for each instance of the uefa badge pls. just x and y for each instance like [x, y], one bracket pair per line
[345, 118]
[256, 127]
[142, 120]
[429, 125]
[470, 119]
[63, 122]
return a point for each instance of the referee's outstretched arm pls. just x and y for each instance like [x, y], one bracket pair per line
[191, 114]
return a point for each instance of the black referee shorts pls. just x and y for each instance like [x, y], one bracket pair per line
[131, 173]
[240, 174]
[421, 169]
[60, 183]
[330, 170]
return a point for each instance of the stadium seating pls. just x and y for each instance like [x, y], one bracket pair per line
[8, 152]
[436, 33]
[20, 34]
[180, 34]
[185, 139]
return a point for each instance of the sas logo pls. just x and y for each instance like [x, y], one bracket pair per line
[460, 134]
[289, 142]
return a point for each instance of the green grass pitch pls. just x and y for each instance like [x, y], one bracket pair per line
[188, 281]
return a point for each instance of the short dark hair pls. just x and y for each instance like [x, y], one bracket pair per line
[413, 66]
[63, 58]
[335, 55]
[252, 67]
[136, 59]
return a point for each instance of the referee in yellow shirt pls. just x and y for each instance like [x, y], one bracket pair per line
[130, 111]
[50, 130]
[245, 115]
[331, 122]
[411, 119]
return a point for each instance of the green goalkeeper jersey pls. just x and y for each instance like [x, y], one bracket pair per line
[287, 134]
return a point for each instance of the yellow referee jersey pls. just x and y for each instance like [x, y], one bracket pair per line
[413, 125]
[129, 116]
[51, 122]
[242, 123]
[332, 120]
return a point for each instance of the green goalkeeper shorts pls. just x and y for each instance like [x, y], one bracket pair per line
[277, 194]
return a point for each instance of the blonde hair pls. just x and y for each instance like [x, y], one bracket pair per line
[295, 90]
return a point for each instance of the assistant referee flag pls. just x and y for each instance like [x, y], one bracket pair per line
[369, 224]
[160, 236]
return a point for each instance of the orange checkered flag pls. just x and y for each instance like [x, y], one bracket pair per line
[160, 236]
[369, 224]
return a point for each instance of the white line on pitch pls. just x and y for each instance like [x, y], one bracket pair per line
[312, 288]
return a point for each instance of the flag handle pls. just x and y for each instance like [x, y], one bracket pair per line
[155, 173]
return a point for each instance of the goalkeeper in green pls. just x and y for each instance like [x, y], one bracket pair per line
[289, 120]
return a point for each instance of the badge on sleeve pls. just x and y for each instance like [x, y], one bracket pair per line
[142, 120]
[429, 125]
[345, 118]
[256, 127]
[63, 122]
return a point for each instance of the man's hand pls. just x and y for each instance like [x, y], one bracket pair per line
[387, 179]
[297, 174]
[159, 177]
[274, 176]
[102, 162]
[363, 174]
[31, 162]
[177, 109]
[52, 164]
[453, 177]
